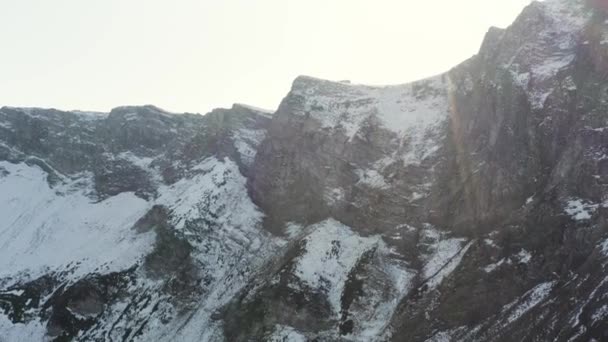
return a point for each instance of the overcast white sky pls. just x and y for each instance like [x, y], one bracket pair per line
[195, 55]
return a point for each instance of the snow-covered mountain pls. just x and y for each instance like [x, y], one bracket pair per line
[469, 206]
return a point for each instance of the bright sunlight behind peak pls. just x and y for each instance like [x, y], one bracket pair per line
[193, 55]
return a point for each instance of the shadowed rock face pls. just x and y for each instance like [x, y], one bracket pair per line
[470, 206]
[523, 138]
[329, 153]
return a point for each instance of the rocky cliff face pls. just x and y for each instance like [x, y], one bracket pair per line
[470, 206]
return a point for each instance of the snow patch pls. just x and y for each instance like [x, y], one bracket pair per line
[443, 252]
[79, 316]
[445, 256]
[596, 129]
[30, 331]
[521, 79]
[141, 162]
[579, 209]
[43, 230]
[523, 257]
[293, 230]
[491, 267]
[378, 309]
[450, 266]
[209, 193]
[283, 333]
[416, 196]
[246, 142]
[13, 292]
[442, 336]
[490, 243]
[334, 195]
[600, 314]
[332, 251]
[6, 125]
[530, 300]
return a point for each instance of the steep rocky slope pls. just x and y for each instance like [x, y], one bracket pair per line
[470, 206]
